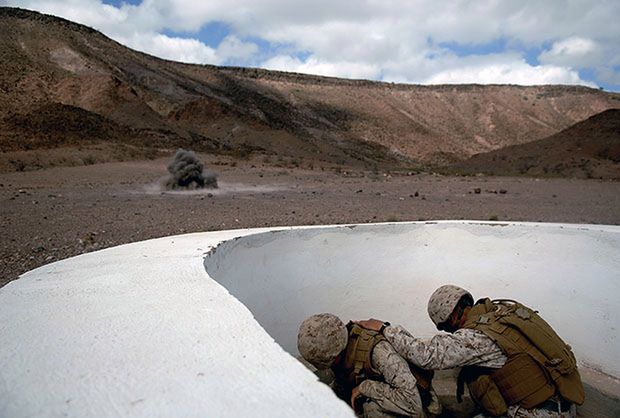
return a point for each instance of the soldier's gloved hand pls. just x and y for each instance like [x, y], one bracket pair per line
[371, 324]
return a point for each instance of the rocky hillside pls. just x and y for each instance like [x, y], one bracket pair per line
[588, 149]
[62, 83]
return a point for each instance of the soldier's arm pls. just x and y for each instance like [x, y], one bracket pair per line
[465, 347]
[399, 393]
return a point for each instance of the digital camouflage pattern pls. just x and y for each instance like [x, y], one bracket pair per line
[516, 412]
[465, 347]
[443, 301]
[321, 338]
[398, 395]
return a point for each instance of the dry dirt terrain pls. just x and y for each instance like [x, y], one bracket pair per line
[51, 214]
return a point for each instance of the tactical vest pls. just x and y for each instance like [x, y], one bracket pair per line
[539, 365]
[356, 366]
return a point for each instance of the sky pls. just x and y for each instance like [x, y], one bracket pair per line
[412, 41]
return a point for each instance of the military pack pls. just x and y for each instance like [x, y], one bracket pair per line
[540, 364]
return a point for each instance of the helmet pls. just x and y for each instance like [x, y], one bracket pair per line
[321, 338]
[443, 301]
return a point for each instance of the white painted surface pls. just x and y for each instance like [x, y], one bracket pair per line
[570, 273]
[142, 330]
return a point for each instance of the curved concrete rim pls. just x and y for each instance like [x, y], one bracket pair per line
[151, 328]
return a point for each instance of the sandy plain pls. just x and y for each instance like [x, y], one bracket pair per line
[51, 214]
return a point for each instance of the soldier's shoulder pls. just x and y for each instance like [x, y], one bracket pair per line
[470, 333]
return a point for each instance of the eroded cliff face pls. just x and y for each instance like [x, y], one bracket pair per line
[47, 62]
[588, 149]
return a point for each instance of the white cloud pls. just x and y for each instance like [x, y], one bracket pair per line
[573, 52]
[177, 49]
[313, 65]
[517, 72]
[233, 48]
[396, 39]
[88, 12]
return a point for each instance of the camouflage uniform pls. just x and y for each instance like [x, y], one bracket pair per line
[323, 337]
[465, 347]
[398, 394]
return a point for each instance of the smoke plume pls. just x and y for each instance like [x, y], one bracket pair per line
[187, 172]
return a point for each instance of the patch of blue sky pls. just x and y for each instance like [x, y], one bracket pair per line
[496, 46]
[302, 55]
[587, 74]
[267, 49]
[590, 75]
[530, 53]
[610, 87]
[211, 34]
[119, 3]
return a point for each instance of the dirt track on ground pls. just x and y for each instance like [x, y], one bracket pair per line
[56, 213]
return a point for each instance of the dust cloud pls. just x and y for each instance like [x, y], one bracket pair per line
[187, 172]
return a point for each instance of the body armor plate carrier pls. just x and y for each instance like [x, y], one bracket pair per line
[356, 364]
[539, 365]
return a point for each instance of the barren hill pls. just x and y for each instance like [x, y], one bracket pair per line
[62, 83]
[588, 149]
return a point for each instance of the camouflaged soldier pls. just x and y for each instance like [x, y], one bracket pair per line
[367, 371]
[512, 361]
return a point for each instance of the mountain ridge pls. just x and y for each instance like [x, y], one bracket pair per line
[49, 62]
[588, 149]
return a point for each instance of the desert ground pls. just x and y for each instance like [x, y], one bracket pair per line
[55, 213]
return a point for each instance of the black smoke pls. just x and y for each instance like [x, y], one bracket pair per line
[187, 172]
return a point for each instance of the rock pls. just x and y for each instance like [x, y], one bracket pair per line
[503, 191]
[477, 190]
[359, 191]
[416, 194]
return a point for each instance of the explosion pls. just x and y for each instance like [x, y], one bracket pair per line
[187, 172]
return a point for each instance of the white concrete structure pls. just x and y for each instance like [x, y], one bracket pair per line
[150, 328]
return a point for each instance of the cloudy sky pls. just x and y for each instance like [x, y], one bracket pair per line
[414, 41]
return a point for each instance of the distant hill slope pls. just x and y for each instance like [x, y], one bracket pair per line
[588, 149]
[51, 66]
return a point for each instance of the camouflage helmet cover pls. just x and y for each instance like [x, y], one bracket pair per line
[321, 338]
[443, 301]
